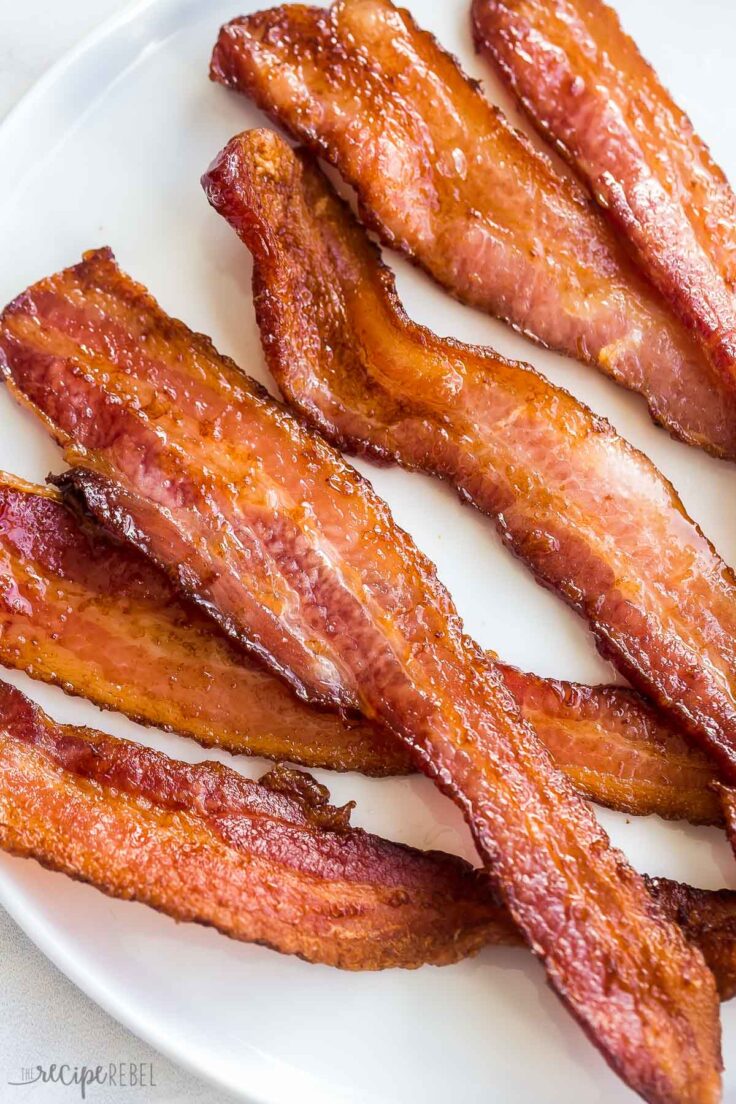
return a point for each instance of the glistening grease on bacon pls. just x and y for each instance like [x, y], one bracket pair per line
[266, 526]
[587, 88]
[89, 614]
[591, 516]
[441, 176]
[268, 862]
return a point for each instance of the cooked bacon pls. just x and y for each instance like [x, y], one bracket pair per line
[441, 176]
[268, 862]
[585, 85]
[269, 529]
[591, 517]
[89, 614]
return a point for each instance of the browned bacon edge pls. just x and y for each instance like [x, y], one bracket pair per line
[270, 861]
[89, 614]
[265, 525]
[589, 515]
[584, 84]
[441, 176]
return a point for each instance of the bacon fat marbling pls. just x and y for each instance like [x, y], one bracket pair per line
[441, 176]
[266, 526]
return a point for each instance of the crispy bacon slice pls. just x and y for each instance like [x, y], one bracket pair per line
[591, 516]
[89, 614]
[267, 527]
[585, 85]
[266, 862]
[269, 862]
[441, 176]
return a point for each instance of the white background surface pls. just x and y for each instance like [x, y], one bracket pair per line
[43, 1016]
[487, 1030]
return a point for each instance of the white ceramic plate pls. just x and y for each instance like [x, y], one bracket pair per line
[108, 149]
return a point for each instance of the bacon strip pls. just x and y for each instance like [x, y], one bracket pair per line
[591, 516]
[584, 84]
[441, 176]
[267, 527]
[266, 862]
[269, 862]
[89, 614]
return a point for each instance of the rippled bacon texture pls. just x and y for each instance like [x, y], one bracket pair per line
[442, 176]
[266, 526]
[89, 614]
[585, 85]
[269, 862]
[591, 517]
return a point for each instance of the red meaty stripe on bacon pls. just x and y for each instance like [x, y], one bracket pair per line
[89, 614]
[270, 861]
[441, 176]
[268, 528]
[589, 515]
[585, 85]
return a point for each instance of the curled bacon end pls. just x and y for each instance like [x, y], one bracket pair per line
[587, 88]
[289, 869]
[89, 614]
[442, 176]
[658, 598]
[268, 528]
[269, 862]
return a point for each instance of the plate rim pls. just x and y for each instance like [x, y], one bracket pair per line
[262, 1087]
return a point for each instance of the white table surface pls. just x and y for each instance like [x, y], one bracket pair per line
[43, 1017]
